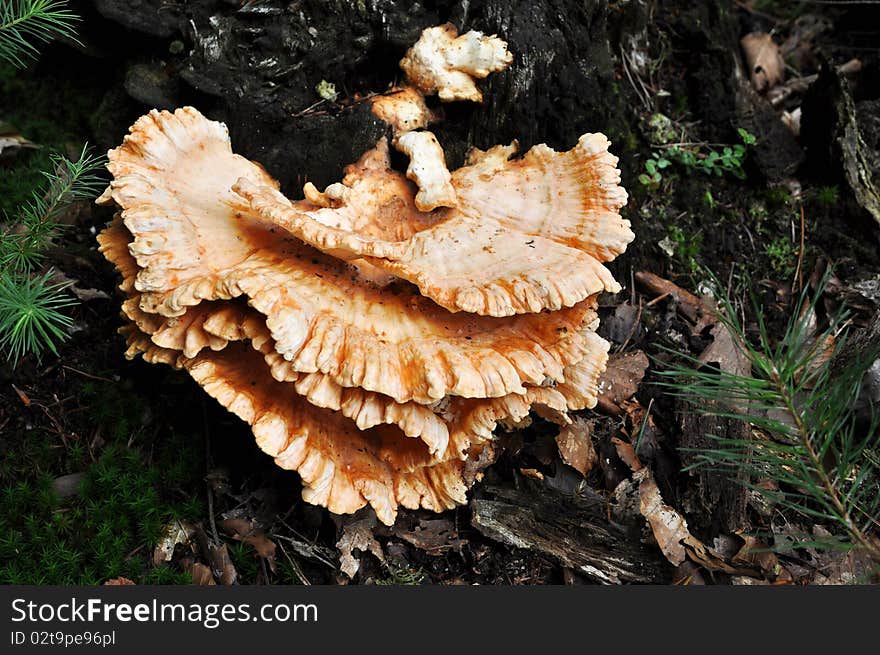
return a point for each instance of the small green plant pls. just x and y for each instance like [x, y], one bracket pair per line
[828, 195]
[823, 460]
[399, 574]
[652, 178]
[31, 317]
[686, 247]
[697, 157]
[24, 24]
[709, 199]
[783, 255]
[21, 248]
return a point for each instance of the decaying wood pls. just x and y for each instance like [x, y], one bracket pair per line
[573, 531]
[688, 305]
[715, 501]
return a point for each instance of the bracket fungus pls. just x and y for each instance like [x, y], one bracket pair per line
[375, 334]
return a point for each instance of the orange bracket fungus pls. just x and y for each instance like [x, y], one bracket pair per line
[376, 334]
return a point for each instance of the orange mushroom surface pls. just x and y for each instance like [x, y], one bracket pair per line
[376, 390]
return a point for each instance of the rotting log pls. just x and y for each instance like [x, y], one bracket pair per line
[573, 531]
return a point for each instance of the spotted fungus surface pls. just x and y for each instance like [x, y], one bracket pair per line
[375, 335]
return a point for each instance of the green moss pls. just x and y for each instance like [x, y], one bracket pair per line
[126, 495]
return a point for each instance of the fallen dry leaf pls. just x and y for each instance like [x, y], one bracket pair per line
[176, 532]
[11, 141]
[621, 379]
[201, 575]
[532, 473]
[671, 532]
[222, 564]
[755, 553]
[763, 59]
[22, 396]
[623, 324]
[119, 582]
[244, 531]
[627, 453]
[726, 350]
[235, 527]
[434, 536]
[669, 527]
[357, 535]
[576, 447]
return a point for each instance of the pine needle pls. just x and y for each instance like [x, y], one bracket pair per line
[26, 24]
[822, 458]
[31, 320]
[21, 248]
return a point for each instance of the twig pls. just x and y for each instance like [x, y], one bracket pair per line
[87, 375]
[208, 466]
[780, 94]
[296, 567]
[644, 99]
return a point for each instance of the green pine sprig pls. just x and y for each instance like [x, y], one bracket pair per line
[32, 318]
[823, 459]
[21, 248]
[31, 314]
[27, 24]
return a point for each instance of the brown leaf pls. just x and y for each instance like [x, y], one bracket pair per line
[726, 350]
[22, 396]
[11, 141]
[765, 63]
[627, 453]
[671, 532]
[201, 575]
[235, 527]
[434, 536]
[621, 379]
[357, 535]
[222, 564]
[576, 447]
[623, 324]
[755, 553]
[243, 530]
[119, 582]
[264, 546]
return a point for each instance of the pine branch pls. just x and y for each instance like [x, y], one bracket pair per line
[31, 306]
[31, 320]
[22, 248]
[823, 460]
[25, 24]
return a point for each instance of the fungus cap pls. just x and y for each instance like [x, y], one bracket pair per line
[525, 235]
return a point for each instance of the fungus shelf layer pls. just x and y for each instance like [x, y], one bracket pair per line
[376, 334]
